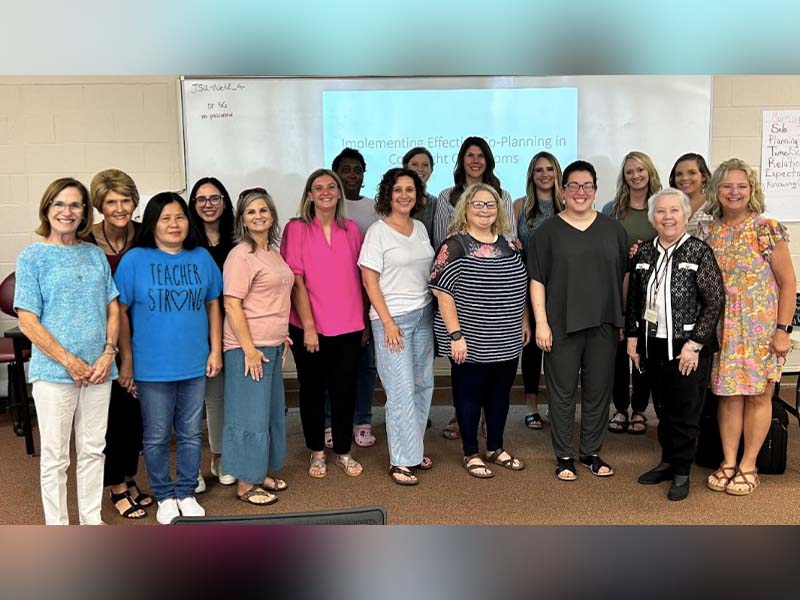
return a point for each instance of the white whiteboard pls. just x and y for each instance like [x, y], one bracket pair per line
[268, 131]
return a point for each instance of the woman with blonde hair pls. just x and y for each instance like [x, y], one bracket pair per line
[637, 181]
[481, 325]
[753, 255]
[543, 198]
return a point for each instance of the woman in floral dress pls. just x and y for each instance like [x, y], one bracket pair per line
[753, 255]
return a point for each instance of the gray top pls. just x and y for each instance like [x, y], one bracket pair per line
[524, 231]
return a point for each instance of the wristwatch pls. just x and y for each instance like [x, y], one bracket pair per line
[114, 349]
[456, 335]
[786, 328]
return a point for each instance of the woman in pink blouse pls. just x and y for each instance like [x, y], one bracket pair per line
[327, 317]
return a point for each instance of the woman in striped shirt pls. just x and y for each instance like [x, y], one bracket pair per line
[482, 336]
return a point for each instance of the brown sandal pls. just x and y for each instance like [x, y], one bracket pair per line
[721, 477]
[741, 479]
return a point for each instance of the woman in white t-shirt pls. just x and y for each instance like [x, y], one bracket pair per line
[395, 262]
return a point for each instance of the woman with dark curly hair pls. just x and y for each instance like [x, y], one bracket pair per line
[211, 213]
[395, 261]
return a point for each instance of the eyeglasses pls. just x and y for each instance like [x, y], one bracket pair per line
[479, 204]
[255, 190]
[72, 206]
[212, 200]
[574, 187]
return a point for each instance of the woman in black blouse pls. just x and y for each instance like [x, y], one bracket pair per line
[577, 262]
[211, 213]
[480, 282]
[675, 299]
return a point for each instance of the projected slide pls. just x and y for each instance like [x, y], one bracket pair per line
[517, 123]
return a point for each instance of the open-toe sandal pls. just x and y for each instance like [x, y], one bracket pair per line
[618, 423]
[741, 479]
[637, 424]
[451, 431]
[565, 470]
[277, 485]
[317, 467]
[504, 459]
[477, 468]
[142, 499]
[534, 421]
[594, 463]
[349, 465]
[133, 507]
[425, 465]
[258, 496]
[402, 476]
[718, 480]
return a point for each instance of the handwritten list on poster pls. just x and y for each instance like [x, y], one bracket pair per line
[780, 163]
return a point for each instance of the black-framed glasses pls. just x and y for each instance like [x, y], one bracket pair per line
[255, 190]
[573, 187]
[479, 204]
[212, 200]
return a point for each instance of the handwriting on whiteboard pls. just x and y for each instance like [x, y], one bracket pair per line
[200, 88]
[780, 152]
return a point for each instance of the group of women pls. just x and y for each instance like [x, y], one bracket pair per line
[201, 303]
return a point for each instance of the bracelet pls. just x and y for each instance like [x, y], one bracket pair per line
[114, 349]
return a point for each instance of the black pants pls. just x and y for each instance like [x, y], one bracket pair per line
[123, 436]
[486, 385]
[333, 367]
[623, 396]
[531, 368]
[680, 398]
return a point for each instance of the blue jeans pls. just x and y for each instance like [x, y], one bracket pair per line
[407, 377]
[164, 404]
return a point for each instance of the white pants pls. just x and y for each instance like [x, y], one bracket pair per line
[56, 406]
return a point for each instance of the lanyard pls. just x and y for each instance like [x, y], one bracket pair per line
[660, 277]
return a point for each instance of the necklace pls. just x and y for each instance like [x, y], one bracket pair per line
[105, 239]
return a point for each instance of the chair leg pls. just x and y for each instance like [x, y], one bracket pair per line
[13, 408]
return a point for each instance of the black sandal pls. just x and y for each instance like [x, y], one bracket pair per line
[395, 472]
[142, 497]
[617, 424]
[134, 507]
[634, 422]
[594, 463]
[534, 421]
[566, 465]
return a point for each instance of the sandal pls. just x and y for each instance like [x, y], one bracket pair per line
[509, 462]
[477, 468]
[638, 424]
[258, 496]
[328, 438]
[277, 485]
[425, 465]
[451, 431]
[362, 434]
[721, 479]
[402, 476]
[534, 421]
[317, 467]
[618, 423]
[594, 463]
[741, 479]
[349, 465]
[142, 499]
[133, 507]
[565, 470]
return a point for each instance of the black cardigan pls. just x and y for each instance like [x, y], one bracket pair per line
[696, 295]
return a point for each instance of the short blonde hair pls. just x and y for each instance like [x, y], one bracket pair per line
[53, 190]
[458, 223]
[306, 209]
[112, 180]
[756, 201]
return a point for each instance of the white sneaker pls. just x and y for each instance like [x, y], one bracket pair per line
[167, 510]
[190, 508]
[215, 471]
[201, 484]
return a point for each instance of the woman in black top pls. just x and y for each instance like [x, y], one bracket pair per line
[577, 262]
[675, 299]
[480, 282]
[211, 213]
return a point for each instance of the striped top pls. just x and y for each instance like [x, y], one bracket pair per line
[489, 285]
[444, 214]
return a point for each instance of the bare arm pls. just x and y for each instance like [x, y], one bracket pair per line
[253, 357]
[40, 337]
[214, 362]
[781, 263]
[544, 336]
[126, 376]
[447, 308]
[302, 304]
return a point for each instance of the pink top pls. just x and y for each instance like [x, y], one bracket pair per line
[263, 281]
[330, 272]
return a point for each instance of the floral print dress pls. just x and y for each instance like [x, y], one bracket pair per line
[744, 363]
